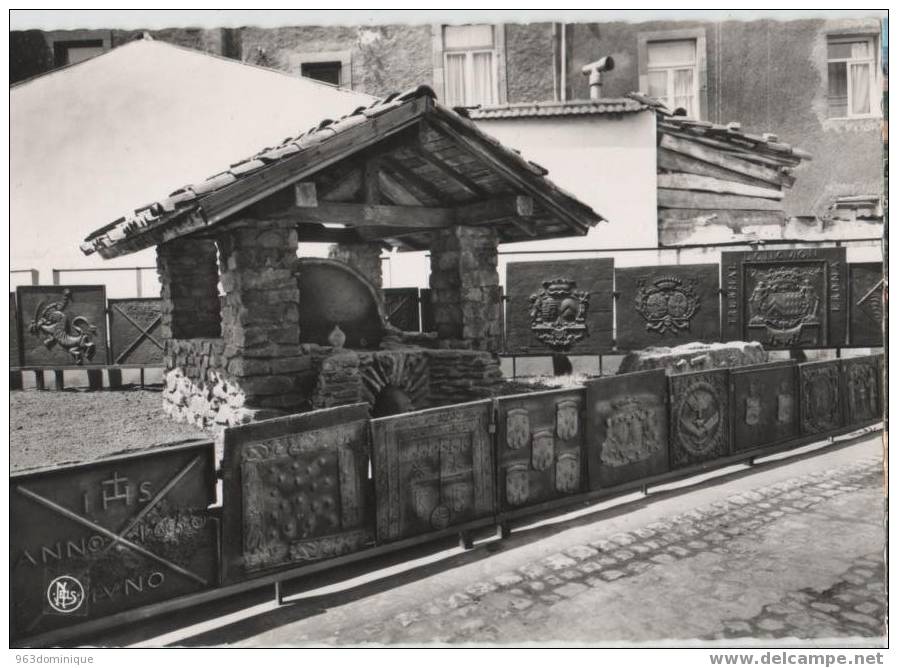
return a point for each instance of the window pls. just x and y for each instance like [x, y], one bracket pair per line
[673, 74]
[333, 67]
[851, 76]
[328, 72]
[470, 61]
[69, 53]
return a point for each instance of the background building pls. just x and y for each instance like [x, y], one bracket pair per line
[815, 83]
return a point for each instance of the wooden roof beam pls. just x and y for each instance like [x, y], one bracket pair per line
[448, 170]
[512, 175]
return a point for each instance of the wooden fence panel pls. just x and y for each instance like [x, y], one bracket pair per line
[134, 331]
[540, 447]
[627, 428]
[794, 298]
[667, 305]
[863, 387]
[96, 539]
[822, 406]
[63, 325]
[765, 404]
[15, 345]
[295, 491]
[699, 417]
[433, 469]
[560, 307]
[865, 301]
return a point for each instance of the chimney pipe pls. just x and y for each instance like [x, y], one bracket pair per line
[594, 72]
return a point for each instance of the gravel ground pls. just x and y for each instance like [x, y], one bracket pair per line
[51, 428]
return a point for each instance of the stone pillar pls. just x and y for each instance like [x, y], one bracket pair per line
[260, 315]
[188, 272]
[364, 258]
[464, 284]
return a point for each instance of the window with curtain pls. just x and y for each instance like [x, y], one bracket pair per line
[673, 74]
[851, 77]
[469, 54]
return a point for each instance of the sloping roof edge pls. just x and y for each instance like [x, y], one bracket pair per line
[201, 205]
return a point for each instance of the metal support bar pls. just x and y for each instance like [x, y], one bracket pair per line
[39, 380]
[278, 593]
[465, 540]
[59, 380]
[95, 379]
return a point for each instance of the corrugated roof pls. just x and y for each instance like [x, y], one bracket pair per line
[207, 202]
[609, 106]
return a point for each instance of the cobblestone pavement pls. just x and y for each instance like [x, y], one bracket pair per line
[521, 604]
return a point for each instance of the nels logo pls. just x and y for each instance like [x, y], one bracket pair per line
[65, 595]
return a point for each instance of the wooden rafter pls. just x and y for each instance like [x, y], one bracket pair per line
[450, 172]
[509, 173]
[411, 180]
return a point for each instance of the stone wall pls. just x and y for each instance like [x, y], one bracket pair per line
[425, 377]
[457, 376]
[196, 388]
[465, 293]
[260, 314]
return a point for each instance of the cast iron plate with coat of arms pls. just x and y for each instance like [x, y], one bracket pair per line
[765, 404]
[433, 469]
[627, 428]
[667, 306]
[540, 444]
[866, 284]
[699, 417]
[793, 298]
[63, 325]
[92, 540]
[295, 491]
[560, 306]
[863, 381]
[822, 409]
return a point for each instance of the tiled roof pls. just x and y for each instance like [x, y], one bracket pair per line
[550, 109]
[199, 205]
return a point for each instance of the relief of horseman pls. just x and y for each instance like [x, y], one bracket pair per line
[52, 323]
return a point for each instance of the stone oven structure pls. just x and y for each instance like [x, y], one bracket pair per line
[249, 327]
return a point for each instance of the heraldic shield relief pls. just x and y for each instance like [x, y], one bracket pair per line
[667, 305]
[433, 469]
[539, 446]
[821, 406]
[563, 306]
[764, 400]
[786, 298]
[558, 313]
[627, 427]
[699, 417]
[863, 382]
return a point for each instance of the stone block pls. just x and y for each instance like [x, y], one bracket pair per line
[694, 357]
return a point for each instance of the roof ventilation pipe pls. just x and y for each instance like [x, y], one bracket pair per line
[594, 72]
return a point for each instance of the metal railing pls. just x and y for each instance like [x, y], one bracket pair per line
[138, 274]
[35, 274]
